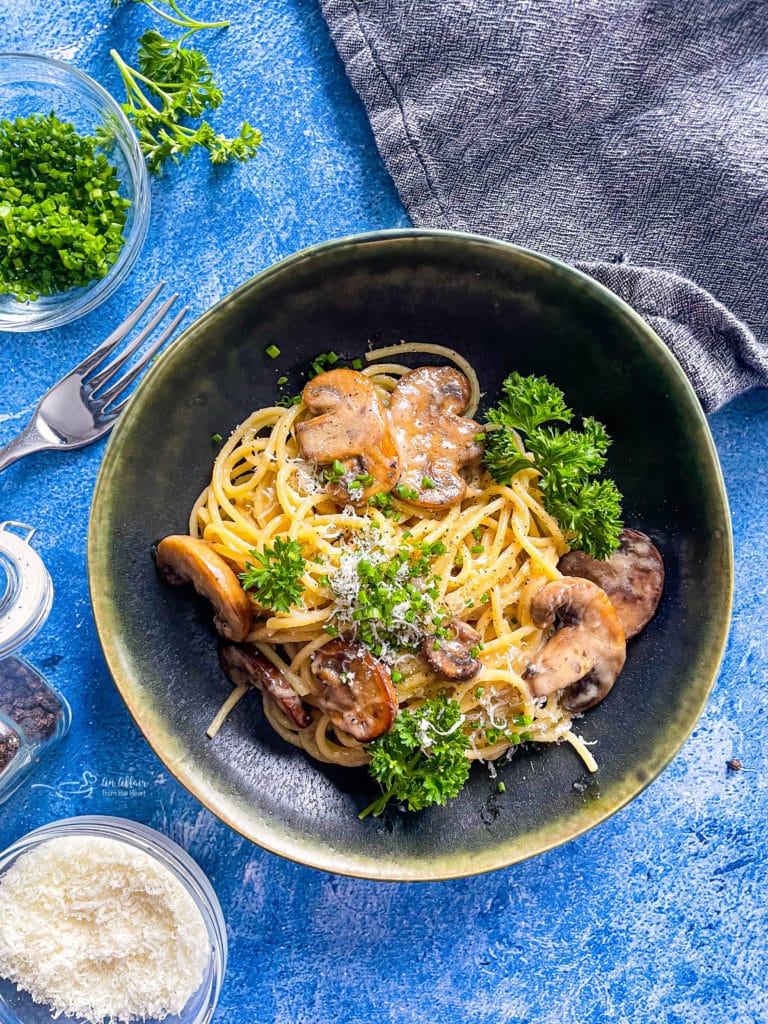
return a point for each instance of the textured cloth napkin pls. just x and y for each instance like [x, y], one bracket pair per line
[629, 137]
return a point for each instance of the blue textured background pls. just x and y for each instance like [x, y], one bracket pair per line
[659, 914]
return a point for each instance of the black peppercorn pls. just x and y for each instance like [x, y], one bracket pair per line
[29, 704]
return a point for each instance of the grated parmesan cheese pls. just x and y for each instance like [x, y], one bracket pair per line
[345, 583]
[95, 928]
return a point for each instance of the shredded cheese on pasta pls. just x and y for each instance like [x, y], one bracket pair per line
[500, 545]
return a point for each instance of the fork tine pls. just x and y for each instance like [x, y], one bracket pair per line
[112, 367]
[110, 344]
[127, 378]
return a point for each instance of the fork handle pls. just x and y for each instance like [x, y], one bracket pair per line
[28, 441]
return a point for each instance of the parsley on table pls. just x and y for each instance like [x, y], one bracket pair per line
[172, 82]
[588, 510]
[422, 759]
[61, 212]
[274, 576]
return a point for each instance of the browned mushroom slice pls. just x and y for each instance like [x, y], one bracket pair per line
[247, 666]
[433, 439]
[585, 655]
[182, 559]
[452, 658]
[350, 426]
[633, 578]
[356, 689]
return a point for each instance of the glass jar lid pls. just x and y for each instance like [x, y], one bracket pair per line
[26, 590]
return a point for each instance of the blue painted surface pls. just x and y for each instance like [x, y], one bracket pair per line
[659, 914]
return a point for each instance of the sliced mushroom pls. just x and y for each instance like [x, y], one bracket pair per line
[356, 691]
[585, 655]
[350, 426]
[181, 559]
[247, 666]
[633, 578]
[433, 439]
[452, 658]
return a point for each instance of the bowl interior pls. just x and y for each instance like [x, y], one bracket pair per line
[38, 85]
[505, 309]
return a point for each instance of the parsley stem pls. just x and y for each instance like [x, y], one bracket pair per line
[183, 20]
[129, 76]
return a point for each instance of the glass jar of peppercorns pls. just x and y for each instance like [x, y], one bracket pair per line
[33, 715]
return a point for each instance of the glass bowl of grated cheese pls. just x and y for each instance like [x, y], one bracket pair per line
[105, 919]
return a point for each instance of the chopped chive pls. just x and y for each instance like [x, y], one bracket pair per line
[357, 364]
[501, 788]
[272, 351]
[477, 549]
[427, 483]
[281, 381]
[217, 438]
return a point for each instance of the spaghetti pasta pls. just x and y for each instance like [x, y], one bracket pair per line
[488, 556]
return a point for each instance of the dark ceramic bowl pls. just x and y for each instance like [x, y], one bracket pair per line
[507, 309]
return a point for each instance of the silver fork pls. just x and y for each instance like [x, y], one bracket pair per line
[81, 406]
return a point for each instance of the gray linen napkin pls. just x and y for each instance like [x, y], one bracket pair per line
[627, 136]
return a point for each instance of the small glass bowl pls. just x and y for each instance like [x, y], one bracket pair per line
[38, 85]
[34, 716]
[17, 1007]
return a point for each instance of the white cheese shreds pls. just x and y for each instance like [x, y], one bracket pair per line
[95, 928]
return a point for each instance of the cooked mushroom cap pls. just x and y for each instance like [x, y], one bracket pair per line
[350, 425]
[585, 655]
[356, 689]
[433, 439]
[452, 658]
[633, 578]
[246, 666]
[183, 559]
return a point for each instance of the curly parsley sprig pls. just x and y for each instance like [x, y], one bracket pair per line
[588, 510]
[422, 759]
[274, 576]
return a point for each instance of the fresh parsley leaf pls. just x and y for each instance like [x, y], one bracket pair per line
[274, 576]
[590, 514]
[422, 759]
[570, 455]
[502, 456]
[588, 510]
[173, 82]
[528, 402]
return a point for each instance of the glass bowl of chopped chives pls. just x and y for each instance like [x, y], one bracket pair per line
[74, 193]
[103, 918]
